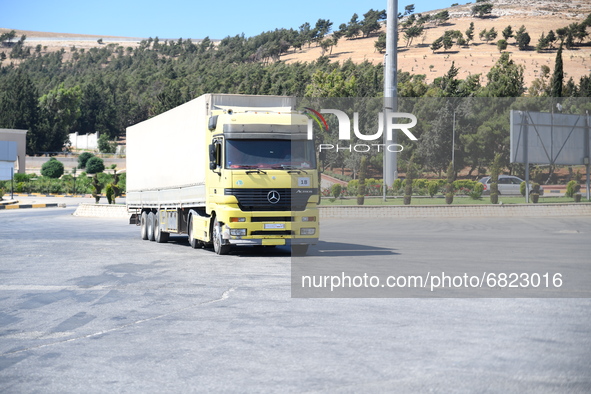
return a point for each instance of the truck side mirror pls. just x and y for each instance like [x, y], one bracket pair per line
[213, 122]
[212, 155]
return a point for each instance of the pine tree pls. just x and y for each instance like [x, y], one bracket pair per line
[507, 32]
[470, 33]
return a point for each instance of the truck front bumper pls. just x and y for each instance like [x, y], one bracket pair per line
[272, 241]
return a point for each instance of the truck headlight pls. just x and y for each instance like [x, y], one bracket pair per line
[308, 218]
[307, 231]
[237, 220]
[238, 232]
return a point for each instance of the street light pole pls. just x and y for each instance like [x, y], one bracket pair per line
[390, 172]
[453, 142]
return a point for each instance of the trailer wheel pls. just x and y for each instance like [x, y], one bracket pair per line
[159, 235]
[150, 225]
[144, 225]
[218, 245]
[195, 243]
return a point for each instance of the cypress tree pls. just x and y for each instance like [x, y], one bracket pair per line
[558, 76]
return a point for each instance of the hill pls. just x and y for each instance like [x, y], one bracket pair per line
[537, 16]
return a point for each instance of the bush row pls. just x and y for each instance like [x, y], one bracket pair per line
[32, 183]
[421, 187]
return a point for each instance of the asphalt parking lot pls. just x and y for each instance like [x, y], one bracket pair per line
[85, 305]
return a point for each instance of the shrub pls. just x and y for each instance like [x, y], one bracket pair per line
[409, 181]
[83, 159]
[397, 185]
[432, 188]
[522, 188]
[56, 186]
[449, 191]
[464, 184]
[352, 187]
[18, 177]
[362, 175]
[373, 187]
[535, 188]
[571, 188]
[110, 194]
[476, 192]
[494, 175]
[96, 189]
[419, 183]
[535, 192]
[335, 190]
[1, 193]
[95, 165]
[52, 168]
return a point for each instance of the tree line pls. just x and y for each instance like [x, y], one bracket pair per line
[110, 87]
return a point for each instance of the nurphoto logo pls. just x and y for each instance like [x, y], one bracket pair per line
[344, 129]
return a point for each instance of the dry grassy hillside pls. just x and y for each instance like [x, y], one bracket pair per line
[536, 16]
[52, 42]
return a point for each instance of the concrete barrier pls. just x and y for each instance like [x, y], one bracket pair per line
[456, 211]
[102, 211]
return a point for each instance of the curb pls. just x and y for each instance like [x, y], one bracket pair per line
[52, 195]
[456, 211]
[414, 211]
[23, 206]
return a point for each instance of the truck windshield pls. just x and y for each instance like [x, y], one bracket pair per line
[270, 154]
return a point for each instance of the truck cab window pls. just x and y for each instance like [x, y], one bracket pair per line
[269, 154]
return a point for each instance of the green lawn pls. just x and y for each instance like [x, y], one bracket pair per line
[441, 201]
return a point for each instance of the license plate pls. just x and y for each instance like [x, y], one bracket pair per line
[274, 226]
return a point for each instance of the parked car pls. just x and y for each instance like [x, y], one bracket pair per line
[508, 185]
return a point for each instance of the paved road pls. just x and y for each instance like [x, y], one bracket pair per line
[85, 305]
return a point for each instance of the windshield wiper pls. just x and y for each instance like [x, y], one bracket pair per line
[256, 171]
[292, 169]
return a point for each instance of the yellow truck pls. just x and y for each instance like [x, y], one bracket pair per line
[225, 170]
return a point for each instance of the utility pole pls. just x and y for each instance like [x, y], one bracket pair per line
[453, 142]
[390, 93]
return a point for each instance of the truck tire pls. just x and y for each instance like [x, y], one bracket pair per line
[150, 226]
[195, 243]
[144, 225]
[218, 245]
[299, 250]
[159, 235]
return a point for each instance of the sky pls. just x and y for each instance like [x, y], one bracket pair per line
[185, 18]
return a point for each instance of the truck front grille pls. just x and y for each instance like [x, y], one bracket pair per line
[271, 199]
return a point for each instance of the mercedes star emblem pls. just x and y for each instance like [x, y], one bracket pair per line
[273, 197]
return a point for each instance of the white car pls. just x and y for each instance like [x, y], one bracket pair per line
[508, 185]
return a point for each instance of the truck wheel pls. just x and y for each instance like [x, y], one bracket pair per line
[159, 235]
[218, 245]
[150, 225]
[299, 250]
[144, 225]
[195, 243]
